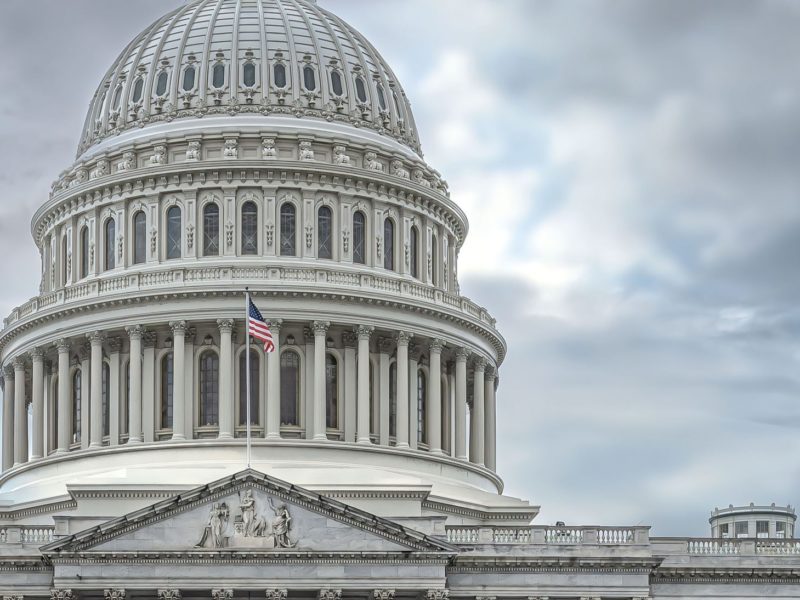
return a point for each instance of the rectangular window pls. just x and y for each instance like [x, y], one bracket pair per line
[741, 529]
[780, 530]
[724, 530]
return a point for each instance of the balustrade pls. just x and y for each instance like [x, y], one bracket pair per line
[549, 535]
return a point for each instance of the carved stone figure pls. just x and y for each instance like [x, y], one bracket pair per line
[213, 534]
[193, 151]
[127, 162]
[231, 148]
[281, 525]
[268, 150]
[159, 156]
[340, 156]
[306, 152]
[100, 170]
[371, 162]
[398, 170]
[419, 178]
[81, 176]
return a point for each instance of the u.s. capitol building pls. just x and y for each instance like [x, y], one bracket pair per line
[266, 144]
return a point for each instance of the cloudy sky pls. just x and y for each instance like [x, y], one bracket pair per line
[632, 174]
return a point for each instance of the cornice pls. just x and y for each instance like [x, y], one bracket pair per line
[726, 575]
[251, 557]
[30, 511]
[525, 515]
[552, 564]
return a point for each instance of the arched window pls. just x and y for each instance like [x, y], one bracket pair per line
[290, 387]
[324, 232]
[288, 230]
[188, 79]
[209, 389]
[279, 75]
[161, 83]
[111, 242]
[117, 97]
[434, 260]
[106, 399]
[331, 392]
[174, 236]
[254, 387]
[218, 76]
[359, 238]
[388, 244]
[414, 242]
[138, 88]
[140, 237]
[84, 252]
[167, 385]
[249, 229]
[397, 105]
[309, 78]
[211, 230]
[76, 407]
[361, 89]
[336, 83]
[381, 97]
[422, 403]
[393, 399]
[249, 74]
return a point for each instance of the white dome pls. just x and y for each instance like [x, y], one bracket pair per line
[246, 58]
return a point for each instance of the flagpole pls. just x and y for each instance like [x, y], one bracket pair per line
[247, 367]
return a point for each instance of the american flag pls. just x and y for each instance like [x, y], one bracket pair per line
[258, 327]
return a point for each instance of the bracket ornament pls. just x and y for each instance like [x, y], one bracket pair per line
[275, 594]
[61, 594]
[169, 594]
[327, 594]
[226, 594]
[114, 594]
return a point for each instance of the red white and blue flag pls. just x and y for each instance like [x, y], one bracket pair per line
[258, 328]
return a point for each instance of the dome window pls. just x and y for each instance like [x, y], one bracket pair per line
[249, 74]
[359, 238]
[336, 83]
[381, 97]
[309, 78]
[361, 89]
[174, 236]
[117, 97]
[188, 79]
[161, 84]
[279, 74]
[138, 88]
[218, 78]
[325, 233]
[211, 230]
[288, 229]
[397, 105]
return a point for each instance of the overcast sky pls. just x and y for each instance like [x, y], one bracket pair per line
[631, 173]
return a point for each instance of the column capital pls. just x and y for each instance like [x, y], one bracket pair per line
[308, 335]
[178, 327]
[225, 325]
[62, 345]
[462, 354]
[383, 594]
[37, 354]
[114, 594]
[84, 351]
[190, 334]
[320, 327]
[437, 595]
[275, 594]
[61, 594]
[349, 339]
[8, 372]
[114, 345]
[149, 339]
[436, 346]
[18, 362]
[328, 594]
[135, 332]
[364, 332]
[480, 364]
[14, 597]
[96, 338]
[223, 594]
[275, 327]
[169, 594]
[385, 345]
[404, 338]
[491, 373]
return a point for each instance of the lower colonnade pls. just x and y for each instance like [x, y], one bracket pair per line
[185, 380]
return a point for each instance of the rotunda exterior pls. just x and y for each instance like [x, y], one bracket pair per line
[265, 145]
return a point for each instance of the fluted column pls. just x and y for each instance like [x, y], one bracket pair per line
[435, 398]
[37, 391]
[114, 347]
[385, 346]
[273, 428]
[20, 414]
[96, 393]
[135, 393]
[319, 412]
[8, 418]
[349, 340]
[414, 356]
[490, 416]
[461, 403]
[225, 378]
[477, 424]
[179, 379]
[64, 421]
[403, 340]
[364, 334]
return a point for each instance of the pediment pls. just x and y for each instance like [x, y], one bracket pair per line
[248, 512]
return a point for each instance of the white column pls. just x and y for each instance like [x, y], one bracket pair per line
[364, 334]
[477, 424]
[490, 416]
[403, 340]
[149, 340]
[135, 394]
[64, 421]
[96, 391]
[461, 403]
[20, 414]
[85, 355]
[414, 354]
[114, 347]
[273, 428]
[350, 386]
[178, 380]
[435, 398]
[384, 349]
[225, 378]
[320, 404]
[37, 384]
[8, 418]
[308, 389]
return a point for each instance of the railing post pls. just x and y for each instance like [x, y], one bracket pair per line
[538, 535]
[13, 535]
[642, 535]
[589, 536]
[485, 535]
[747, 548]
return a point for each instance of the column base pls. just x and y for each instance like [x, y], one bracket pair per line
[225, 436]
[132, 440]
[320, 437]
[273, 436]
[178, 437]
[61, 452]
[364, 441]
[95, 446]
[437, 452]
[402, 446]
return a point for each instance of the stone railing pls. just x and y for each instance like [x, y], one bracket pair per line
[223, 276]
[726, 546]
[550, 535]
[38, 535]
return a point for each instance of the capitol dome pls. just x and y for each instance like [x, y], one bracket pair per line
[240, 58]
[261, 145]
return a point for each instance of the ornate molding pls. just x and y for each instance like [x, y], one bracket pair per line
[178, 327]
[96, 338]
[436, 346]
[276, 594]
[223, 594]
[383, 594]
[364, 332]
[437, 595]
[328, 594]
[61, 594]
[404, 338]
[320, 327]
[169, 594]
[225, 325]
[114, 594]
[135, 332]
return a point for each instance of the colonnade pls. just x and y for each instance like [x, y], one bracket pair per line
[372, 406]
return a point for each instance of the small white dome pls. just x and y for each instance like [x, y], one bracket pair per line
[249, 57]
